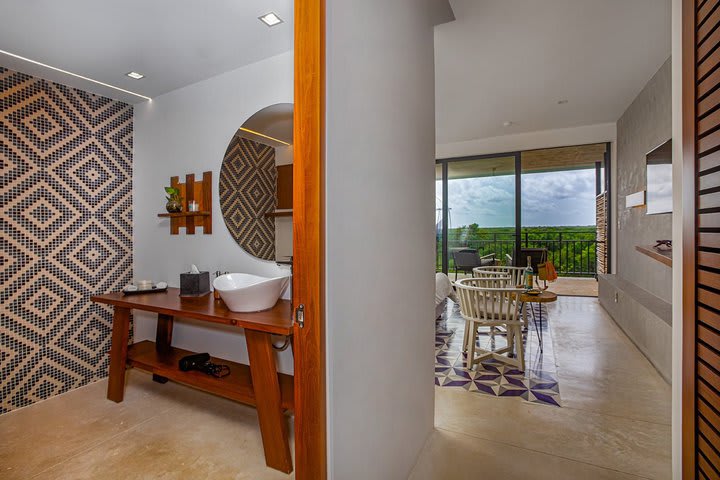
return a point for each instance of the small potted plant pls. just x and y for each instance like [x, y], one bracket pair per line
[174, 202]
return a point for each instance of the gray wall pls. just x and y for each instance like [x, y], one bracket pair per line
[380, 184]
[646, 124]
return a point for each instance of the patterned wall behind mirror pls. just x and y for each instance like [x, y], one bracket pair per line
[247, 192]
[256, 183]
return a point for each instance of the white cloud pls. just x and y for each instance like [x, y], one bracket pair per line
[554, 198]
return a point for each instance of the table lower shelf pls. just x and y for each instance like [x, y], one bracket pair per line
[236, 386]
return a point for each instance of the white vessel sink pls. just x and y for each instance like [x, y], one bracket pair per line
[243, 292]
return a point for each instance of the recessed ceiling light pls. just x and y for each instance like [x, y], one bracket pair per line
[270, 19]
[507, 123]
[562, 102]
[135, 75]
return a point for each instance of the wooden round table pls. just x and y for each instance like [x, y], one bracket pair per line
[544, 297]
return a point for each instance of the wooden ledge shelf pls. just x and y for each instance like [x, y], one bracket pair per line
[664, 257]
[287, 213]
[236, 386]
[184, 214]
[192, 190]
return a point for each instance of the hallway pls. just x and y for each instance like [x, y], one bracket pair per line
[613, 422]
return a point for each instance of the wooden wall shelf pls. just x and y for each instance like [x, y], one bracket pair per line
[664, 257]
[279, 214]
[199, 191]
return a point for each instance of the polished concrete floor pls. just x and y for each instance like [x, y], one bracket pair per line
[614, 422]
[159, 432]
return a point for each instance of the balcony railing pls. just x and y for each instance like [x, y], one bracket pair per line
[573, 252]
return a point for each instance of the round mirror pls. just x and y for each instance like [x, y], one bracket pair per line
[256, 184]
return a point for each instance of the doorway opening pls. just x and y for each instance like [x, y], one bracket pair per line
[504, 206]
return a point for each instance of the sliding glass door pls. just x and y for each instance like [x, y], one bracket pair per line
[558, 205]
[481, 207]
[552, 199]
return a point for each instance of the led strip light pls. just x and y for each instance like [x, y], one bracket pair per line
[263, 135]
[76, 75]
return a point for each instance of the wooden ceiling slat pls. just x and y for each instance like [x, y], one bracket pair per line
[563, 158]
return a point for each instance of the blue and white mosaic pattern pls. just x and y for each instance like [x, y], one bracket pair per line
[538, 384]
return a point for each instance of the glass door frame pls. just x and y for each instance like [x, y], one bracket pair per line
[444, 162]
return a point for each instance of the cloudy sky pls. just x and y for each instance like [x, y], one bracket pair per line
[549, 199]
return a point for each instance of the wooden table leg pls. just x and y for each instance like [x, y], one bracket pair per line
[163, 339]
[273, 424]
[118, 354]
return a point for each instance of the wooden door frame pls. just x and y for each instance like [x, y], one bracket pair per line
[309, 240]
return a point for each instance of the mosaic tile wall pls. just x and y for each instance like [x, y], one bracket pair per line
[247, 191]
[65, 232]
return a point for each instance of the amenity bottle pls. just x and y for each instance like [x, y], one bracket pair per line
[529, 275]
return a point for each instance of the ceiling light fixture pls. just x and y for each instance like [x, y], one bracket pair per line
[135, 75]
[264, 136]
[75, 75]
[271, 19]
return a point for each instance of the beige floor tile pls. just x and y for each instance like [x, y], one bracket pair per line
[158, 432]
[449, 455]
[67, 424]
[601, 359]
[630, 446]
[616, 393]
[616, 407]
[202, 437]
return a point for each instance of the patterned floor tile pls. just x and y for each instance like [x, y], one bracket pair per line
[537, 384]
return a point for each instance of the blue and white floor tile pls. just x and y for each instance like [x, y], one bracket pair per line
[538, 384]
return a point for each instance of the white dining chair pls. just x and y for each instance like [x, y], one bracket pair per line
[490, 302]
[515, 273]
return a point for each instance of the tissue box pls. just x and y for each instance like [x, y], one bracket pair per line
[194, 284]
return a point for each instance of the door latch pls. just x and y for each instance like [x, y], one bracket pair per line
[300, 315]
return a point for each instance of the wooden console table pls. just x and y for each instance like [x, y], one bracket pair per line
[258, 384]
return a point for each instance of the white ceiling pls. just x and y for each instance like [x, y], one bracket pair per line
[173, 42]
[512, 60]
